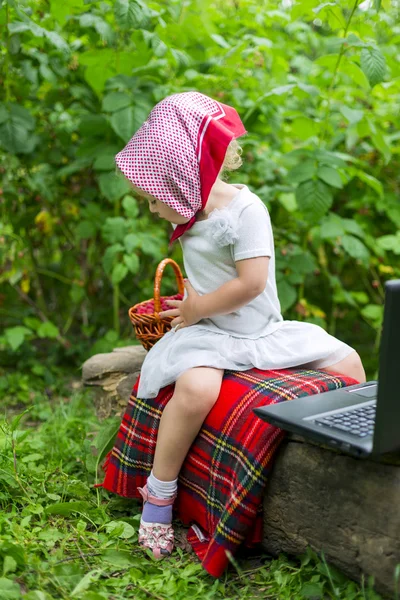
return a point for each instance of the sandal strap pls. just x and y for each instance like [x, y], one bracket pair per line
[144, 492]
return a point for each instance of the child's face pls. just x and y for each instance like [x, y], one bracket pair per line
[161, 209]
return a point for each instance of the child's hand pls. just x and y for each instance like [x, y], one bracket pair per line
[186, 311]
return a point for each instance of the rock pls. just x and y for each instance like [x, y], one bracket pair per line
[121, 360]
[113, 374]
[346, 507]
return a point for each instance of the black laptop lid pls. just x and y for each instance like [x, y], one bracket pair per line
[387, 424]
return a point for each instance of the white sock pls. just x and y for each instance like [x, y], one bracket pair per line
[161, 489]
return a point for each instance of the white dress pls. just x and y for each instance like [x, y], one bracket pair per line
[254, 335]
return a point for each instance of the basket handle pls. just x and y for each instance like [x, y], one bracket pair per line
[157, 281]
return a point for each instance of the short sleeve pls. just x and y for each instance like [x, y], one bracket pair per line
[255, 233]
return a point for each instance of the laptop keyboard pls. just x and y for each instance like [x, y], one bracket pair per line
[358, 421]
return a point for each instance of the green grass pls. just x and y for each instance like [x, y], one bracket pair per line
[62, 539]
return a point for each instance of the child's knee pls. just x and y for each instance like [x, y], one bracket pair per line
[356, 367]
[196, 392]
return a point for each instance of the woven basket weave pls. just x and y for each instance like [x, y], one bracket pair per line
[149, 328]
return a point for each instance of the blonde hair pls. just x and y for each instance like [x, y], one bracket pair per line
[233, 158]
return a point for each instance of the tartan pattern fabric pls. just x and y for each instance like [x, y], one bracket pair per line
[223, 478]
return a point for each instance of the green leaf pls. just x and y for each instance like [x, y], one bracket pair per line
[47, 74]
[74, 167]
[331, 227]
[14, 131]
[104, 162]
[15, 336]
[110, 255]
[29, 71]
[18, 27]
[303, 171]
[32, 457]
[113, 186]
[119, 558]
[355, 248]
[132, 241]
[127, 120]
[3, 113]
[48, 330]
[120, 529]
[86, 230]
[327, 60]
[121, 12]
[379, 140]
[68, 508]
[331, 159]
[114, 229]
[351, 226]
[390, 243]
[373, 313]
[352, 115]
[355, 73]
[314, 199]
[159, 47]
[102, 27]
[353, 40]
[56, 40]
[85, 582]
[131, 207]
[314, 591]
[330, 176]
[38, 595]
[288, 201]
[303, 263]
[218, 39]
[93, 125]
[304, 127]
[132, 262]
[287, 295]
[373, 65]
[116, 101]
[370, 180]
[21, 115]
[10, 565]
[60, 11]
[105, 438]
[119, 273]
[16, 420]
[9, 590]
[101, 65]
[360, 297]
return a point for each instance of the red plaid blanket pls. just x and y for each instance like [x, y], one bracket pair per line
[224, 475]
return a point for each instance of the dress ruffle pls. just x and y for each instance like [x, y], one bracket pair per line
[224, 226]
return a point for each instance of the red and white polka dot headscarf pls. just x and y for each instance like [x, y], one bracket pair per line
[177, 153]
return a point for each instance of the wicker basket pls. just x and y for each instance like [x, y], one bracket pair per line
[149, 327]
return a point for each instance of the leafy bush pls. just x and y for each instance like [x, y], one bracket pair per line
[317, 86]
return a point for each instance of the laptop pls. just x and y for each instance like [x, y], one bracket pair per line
[360, 419]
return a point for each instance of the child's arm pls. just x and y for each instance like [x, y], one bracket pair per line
[250, 283]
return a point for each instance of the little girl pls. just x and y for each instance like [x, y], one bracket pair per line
[230, 317]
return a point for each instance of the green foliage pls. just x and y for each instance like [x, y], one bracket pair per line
[317, 85]
[60, 538]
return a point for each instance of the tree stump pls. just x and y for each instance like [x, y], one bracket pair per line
[346, 507]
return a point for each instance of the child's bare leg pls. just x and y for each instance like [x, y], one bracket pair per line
[350, 366]
[196, 392]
